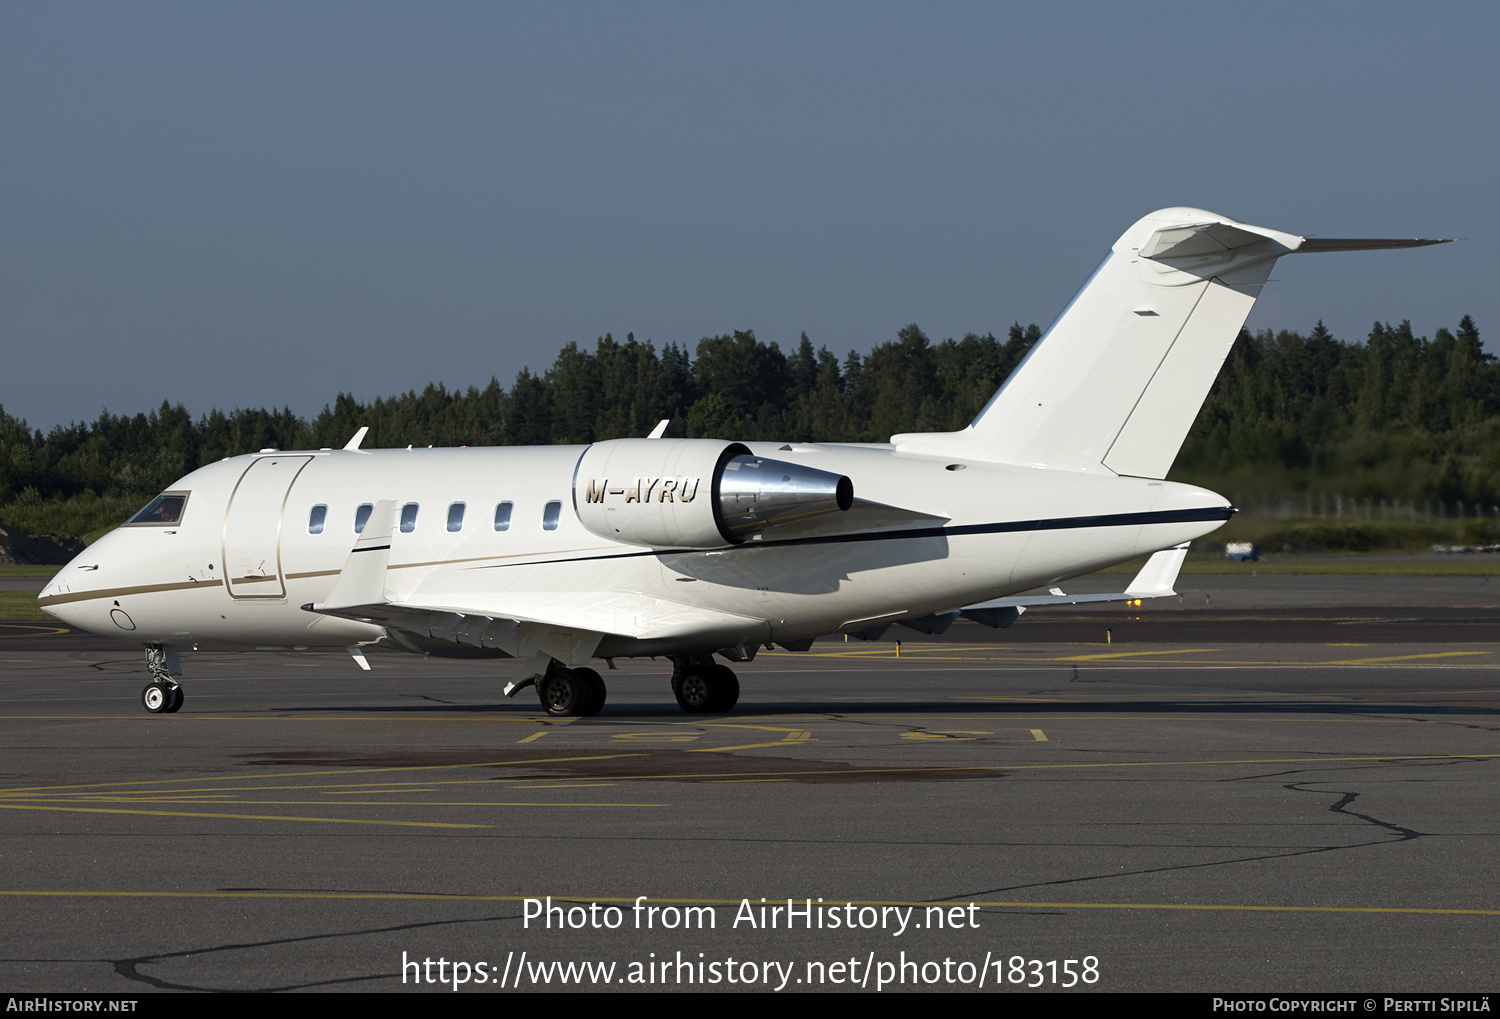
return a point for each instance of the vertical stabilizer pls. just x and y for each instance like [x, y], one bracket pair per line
[1117, 381]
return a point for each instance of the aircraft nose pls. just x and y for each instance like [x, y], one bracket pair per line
[63, 612]
[67, 595]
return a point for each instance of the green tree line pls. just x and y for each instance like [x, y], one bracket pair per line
[1394, 416]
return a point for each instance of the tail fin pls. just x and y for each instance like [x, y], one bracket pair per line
[1118, 379]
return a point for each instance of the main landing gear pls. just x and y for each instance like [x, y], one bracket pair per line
[571, 692]
[702, 686]
[163, 695]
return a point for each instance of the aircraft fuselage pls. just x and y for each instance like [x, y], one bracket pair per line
[265, 534]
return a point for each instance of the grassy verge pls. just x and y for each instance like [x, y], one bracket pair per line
[1461, 566]
[26, 570]
[20, 605]
[1210, 564]
[1315, 535]
[1320, 545]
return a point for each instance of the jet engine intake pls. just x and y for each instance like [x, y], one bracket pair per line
[696, 493]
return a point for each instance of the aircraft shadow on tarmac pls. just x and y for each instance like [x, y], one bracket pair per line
[979, 704]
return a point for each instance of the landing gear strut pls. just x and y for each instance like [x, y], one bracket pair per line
[702, 686]
[571, 692]
[161, 696]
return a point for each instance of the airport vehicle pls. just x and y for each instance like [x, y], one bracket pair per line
[695, 548]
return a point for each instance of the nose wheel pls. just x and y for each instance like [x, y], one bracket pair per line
[161, 698]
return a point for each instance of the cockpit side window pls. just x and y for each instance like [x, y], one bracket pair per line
[165, 509]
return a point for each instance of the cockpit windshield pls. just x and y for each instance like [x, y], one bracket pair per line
[164, 509]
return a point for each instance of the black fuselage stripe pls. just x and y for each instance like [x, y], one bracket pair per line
[1000, 527]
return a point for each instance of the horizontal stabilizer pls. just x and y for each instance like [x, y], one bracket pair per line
[1312, 245]
[1197, 239]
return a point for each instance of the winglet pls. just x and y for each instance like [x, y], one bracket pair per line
[362, 580]
[1158, 577]
[1155, 580]
[660, 429]
[359, 437]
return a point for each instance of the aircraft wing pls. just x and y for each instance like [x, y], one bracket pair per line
[566, 625]
[1156, 580]
[488, 620]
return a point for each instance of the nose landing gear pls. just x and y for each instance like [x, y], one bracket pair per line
[163, 695]
[161, 698]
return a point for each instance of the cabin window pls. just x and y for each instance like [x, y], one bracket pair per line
[502, 516]
[362, 516]
[164, 509]
[316, 519]
[550, 515]
[456, 517]
[408, 518]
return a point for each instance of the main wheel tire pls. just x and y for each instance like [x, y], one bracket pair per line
[155, 698]
[729, 689]
[597, 690]
[698, 688]
[564, 693]
[175, 699]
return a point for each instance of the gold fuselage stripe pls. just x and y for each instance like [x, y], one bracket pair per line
[120, 592]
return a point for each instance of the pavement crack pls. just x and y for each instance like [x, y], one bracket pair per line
[963, 896]
[130, 968]
[1341, 807]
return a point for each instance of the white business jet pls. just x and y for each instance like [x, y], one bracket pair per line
[690, 548]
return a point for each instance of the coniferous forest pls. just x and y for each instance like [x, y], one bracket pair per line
[1393, 417]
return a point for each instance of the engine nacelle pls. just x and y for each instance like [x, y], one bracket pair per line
[696, 493]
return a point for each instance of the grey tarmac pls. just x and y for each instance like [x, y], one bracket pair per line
[1264, 811]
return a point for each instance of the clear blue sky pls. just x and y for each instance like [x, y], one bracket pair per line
[262, 204]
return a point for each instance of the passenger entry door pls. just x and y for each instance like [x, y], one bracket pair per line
[252, 527]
